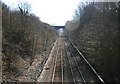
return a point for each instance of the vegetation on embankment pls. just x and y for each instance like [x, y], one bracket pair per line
[97, 37]
[23, 37]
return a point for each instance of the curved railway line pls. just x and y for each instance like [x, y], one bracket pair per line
[68, 65]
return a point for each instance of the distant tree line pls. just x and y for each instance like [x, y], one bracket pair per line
[97, 37]
[24, 35]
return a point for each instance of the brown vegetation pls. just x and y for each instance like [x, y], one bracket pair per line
[24, 36]
[97, 37]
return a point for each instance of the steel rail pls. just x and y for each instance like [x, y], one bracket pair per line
[61, 65]
[78, 67]
[71, 68]
[86, 61]
[55, 66]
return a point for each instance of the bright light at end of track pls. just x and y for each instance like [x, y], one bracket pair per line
[61, 29]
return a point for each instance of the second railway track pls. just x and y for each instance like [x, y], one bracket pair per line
[88, 73]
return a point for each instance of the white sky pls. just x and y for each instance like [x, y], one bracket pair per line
[55, 12]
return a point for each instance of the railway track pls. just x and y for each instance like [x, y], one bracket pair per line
[70, 66]
[57, 76]
[88, 73]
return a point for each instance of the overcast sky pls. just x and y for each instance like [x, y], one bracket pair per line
[55, 12]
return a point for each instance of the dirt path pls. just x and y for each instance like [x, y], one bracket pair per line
[34, 71]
